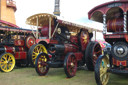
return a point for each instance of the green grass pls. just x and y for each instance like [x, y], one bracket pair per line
[56, 76]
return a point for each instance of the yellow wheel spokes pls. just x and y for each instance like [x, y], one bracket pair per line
[7, 62]
[38, 49]
[44, 60]
[9, 59]
[5, 67]
[104, 75]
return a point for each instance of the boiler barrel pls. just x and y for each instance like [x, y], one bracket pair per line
[62, 49]
[115, 25]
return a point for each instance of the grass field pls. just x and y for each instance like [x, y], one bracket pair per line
[28, 76]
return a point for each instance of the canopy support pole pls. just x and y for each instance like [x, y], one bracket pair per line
[49, 27]
[125, 21]
[37, 28]
[33, 31]
[104, 23]
[55, 29]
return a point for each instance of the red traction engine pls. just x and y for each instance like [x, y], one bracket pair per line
[62, 44]
[114, 16]
[14, 45]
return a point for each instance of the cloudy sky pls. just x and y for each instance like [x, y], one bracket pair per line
[73, 10]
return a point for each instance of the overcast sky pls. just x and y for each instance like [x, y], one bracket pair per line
[73, 10]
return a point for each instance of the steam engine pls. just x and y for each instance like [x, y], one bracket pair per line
[63, 43]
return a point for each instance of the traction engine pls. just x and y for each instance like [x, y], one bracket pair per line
[14, 45]
[114, 16]
[61, 44]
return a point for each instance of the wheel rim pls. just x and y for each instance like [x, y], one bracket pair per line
[71, 65]
[30, 41]
[7, 62]
[96, 52]
[38, 49]
[42, 66]
[104, 75]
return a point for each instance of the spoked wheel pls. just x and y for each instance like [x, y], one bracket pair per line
[92, 53]
[101, 74]
[34, 51]
[41, 65]
[70, 65]
[7, 62]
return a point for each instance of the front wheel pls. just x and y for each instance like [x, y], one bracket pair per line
[101, 70]
[34, 51]
[7, 62]
[41, 65]
[70, 65]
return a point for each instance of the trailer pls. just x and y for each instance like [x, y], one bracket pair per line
[113, 15]
[14, 46]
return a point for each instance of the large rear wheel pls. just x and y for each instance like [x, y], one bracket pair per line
[7, 62]
[93, 51]
[70, 65]
[41, 65]
[34, 51]
[101, 70]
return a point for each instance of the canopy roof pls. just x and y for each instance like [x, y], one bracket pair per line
[43, 19]
[109, 8]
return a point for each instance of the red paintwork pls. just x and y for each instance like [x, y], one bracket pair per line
[20, 55]
[9, 49]
[49, 55]
[70, 48]
[19, 42]
[53, 42]
[30, 40]
[21, 49]
[115, 25]
[116, 36]
[103, 8]
[8, 23]
[40, 40]
[74, 39]
[44, 31]
[79, 55]
[118, 63]
[126, 37]
[48, 41]
[113, 36]
[12, 49]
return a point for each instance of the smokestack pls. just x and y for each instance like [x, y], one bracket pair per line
[57, 8]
